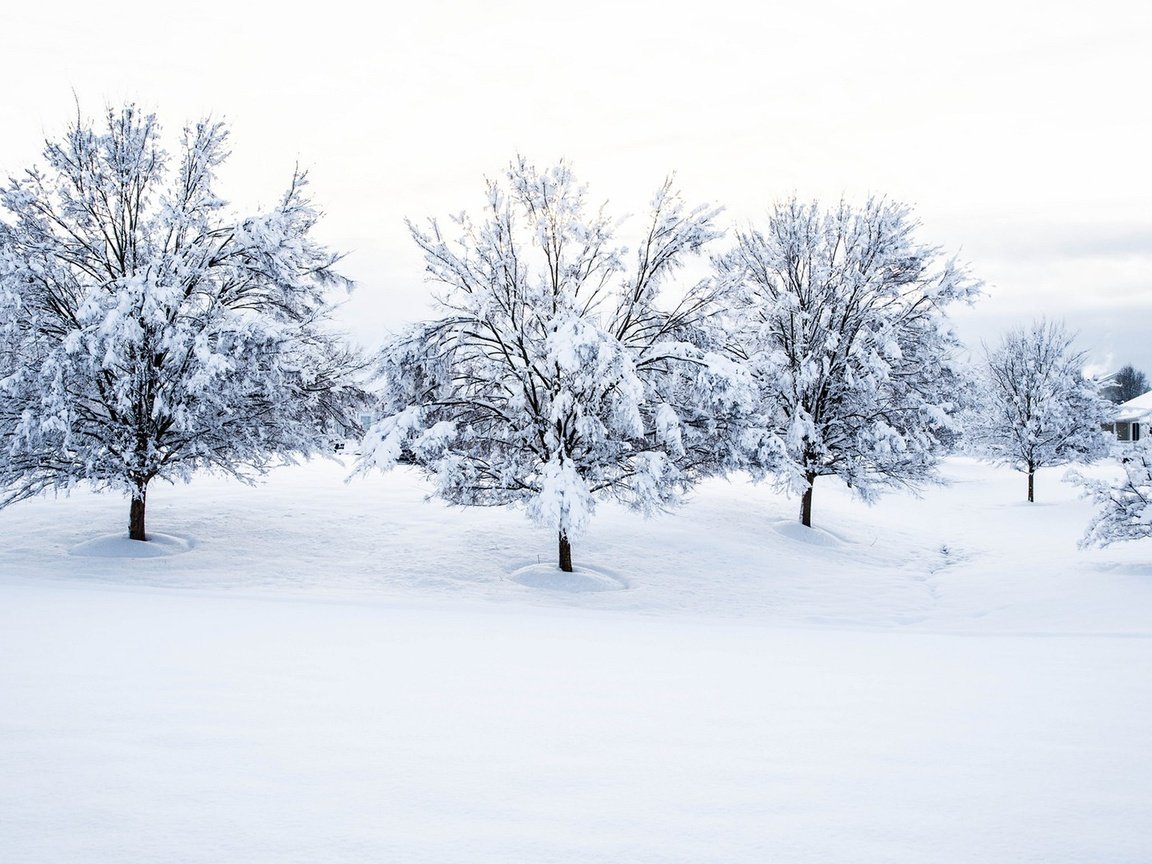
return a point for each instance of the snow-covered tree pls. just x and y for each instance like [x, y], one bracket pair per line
[1126, 384]
[149, 333]
[1124, 508]
[840, 316]
[554, 377]
[1037, 408]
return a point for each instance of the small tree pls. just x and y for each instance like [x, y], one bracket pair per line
[1127, 384]
[554, 378]
[149, 334]
[1124, 508]
[840, 315]
[1037, 408]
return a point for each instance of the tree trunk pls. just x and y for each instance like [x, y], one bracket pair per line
[1031, 474]
[136, 512]
[806, 502]
[565, 553]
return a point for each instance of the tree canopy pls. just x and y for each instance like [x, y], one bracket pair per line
[150, 333]
[557, 375]
[840, 317]
[1036, 406]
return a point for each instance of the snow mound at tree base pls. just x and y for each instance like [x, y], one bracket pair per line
[119, 546]
[550, 577]
[813, 536]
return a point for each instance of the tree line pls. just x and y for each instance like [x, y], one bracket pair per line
[150, 332]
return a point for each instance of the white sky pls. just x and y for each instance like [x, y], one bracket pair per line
[1021, 133]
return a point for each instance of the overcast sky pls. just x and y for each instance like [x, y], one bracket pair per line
[1020, 133]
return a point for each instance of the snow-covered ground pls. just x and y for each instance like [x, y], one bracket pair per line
[314, 671]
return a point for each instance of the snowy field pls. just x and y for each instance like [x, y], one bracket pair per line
[320, 672]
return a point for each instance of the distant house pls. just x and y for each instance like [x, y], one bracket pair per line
[1132, 419]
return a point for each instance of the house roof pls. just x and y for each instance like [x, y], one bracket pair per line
[1136, 409]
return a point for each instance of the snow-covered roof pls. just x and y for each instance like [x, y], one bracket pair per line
[1136, 409]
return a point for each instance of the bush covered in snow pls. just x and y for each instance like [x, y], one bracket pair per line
[1124, 508]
